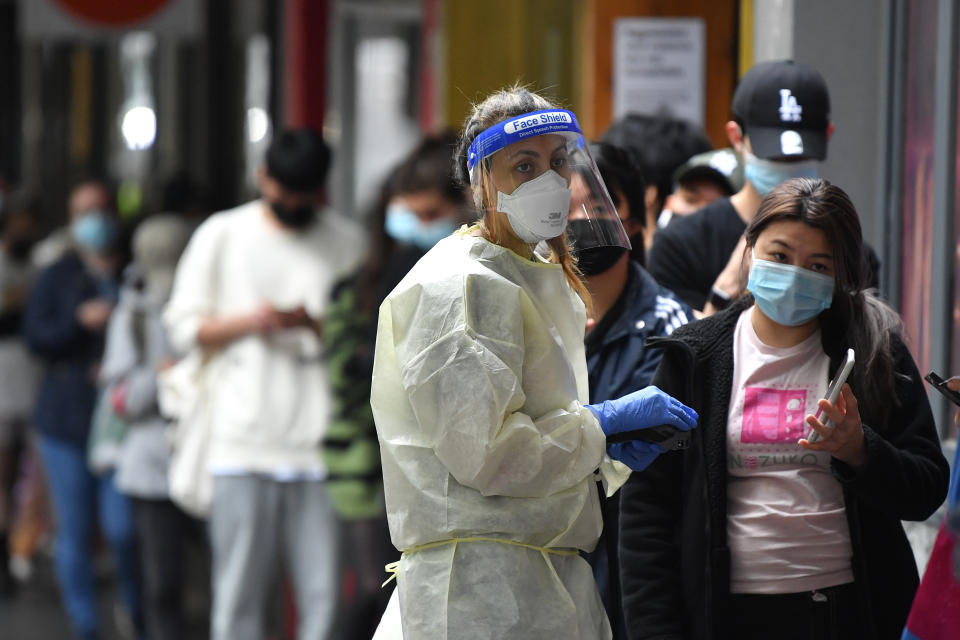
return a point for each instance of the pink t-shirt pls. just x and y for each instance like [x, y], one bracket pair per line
[786, 521]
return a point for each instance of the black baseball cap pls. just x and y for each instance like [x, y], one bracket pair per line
[785, 109]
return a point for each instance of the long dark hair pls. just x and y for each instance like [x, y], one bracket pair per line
[857, 318]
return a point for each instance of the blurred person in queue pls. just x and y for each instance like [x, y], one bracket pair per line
[25, 516]
[705, 177]
[628, 307]
[659, 145]
[87, 195]
[480, 391]
[420, 204]
[137, 349]
[252, 290]
[760, 530]
[425, 203]
[18, 369]
[64, 325]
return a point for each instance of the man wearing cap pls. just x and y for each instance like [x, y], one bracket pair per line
[705, 177]
[780, 127]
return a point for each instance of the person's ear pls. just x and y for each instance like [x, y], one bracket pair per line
[650, 199]
[829, 131]
[632, 226]
[735, 136]
[262, 179]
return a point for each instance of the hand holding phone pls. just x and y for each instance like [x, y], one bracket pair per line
[833, 392]
[940, 385]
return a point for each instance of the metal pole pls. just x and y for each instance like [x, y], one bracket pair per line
[890, 173]
[944, 198]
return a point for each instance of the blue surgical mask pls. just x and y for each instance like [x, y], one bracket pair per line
[94, 231]
[787, 294]
[767, 175]
[403, 225]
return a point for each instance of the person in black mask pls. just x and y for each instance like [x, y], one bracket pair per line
[18, 370]
[251, 294]
[628, 308]
[291, 180]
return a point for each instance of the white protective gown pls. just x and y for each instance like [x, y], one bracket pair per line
[478, 391]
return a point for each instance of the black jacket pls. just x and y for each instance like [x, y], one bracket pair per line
[674, 558]
[70, 353]
[619, 362]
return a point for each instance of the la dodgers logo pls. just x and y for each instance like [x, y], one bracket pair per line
[790, 111]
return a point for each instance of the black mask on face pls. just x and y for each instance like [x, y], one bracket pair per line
[593, 260]
[598, 259]
[297, 218]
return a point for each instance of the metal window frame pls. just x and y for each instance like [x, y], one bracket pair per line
[348, 20]
[888, 238]
[890, 178]
[944, 198]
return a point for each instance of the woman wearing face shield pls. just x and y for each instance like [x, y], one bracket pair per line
[776, 524]
[479, 394]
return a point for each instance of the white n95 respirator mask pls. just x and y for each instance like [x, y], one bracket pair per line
[538, 209]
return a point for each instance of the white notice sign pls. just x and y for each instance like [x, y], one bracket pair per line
[658, 67]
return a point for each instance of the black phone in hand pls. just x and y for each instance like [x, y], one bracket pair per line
[667, 436]
[940, 385]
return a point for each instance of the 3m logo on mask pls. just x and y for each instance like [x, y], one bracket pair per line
[538, 120]
[790, 111]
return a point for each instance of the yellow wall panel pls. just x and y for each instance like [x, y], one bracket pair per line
[495, 43]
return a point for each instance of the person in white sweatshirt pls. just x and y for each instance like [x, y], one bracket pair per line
[251, 290]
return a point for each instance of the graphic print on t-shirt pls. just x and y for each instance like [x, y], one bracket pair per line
[773, 415]
[782, 500]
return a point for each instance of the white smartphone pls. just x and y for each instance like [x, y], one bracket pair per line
[833, 392]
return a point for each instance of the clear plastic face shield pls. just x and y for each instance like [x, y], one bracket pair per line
[536, 170]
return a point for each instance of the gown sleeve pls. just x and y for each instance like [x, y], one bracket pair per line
[462, 362]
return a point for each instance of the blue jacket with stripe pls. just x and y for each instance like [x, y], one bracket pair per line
[618, 361]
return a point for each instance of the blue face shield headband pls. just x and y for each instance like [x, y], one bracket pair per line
[535, 123]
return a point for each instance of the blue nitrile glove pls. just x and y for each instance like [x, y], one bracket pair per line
[636, 454]
[648, 407]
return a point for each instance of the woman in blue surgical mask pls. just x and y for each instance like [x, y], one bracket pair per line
[425, 203]
[765, 530]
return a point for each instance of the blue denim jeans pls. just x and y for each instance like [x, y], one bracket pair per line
[77, 497]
